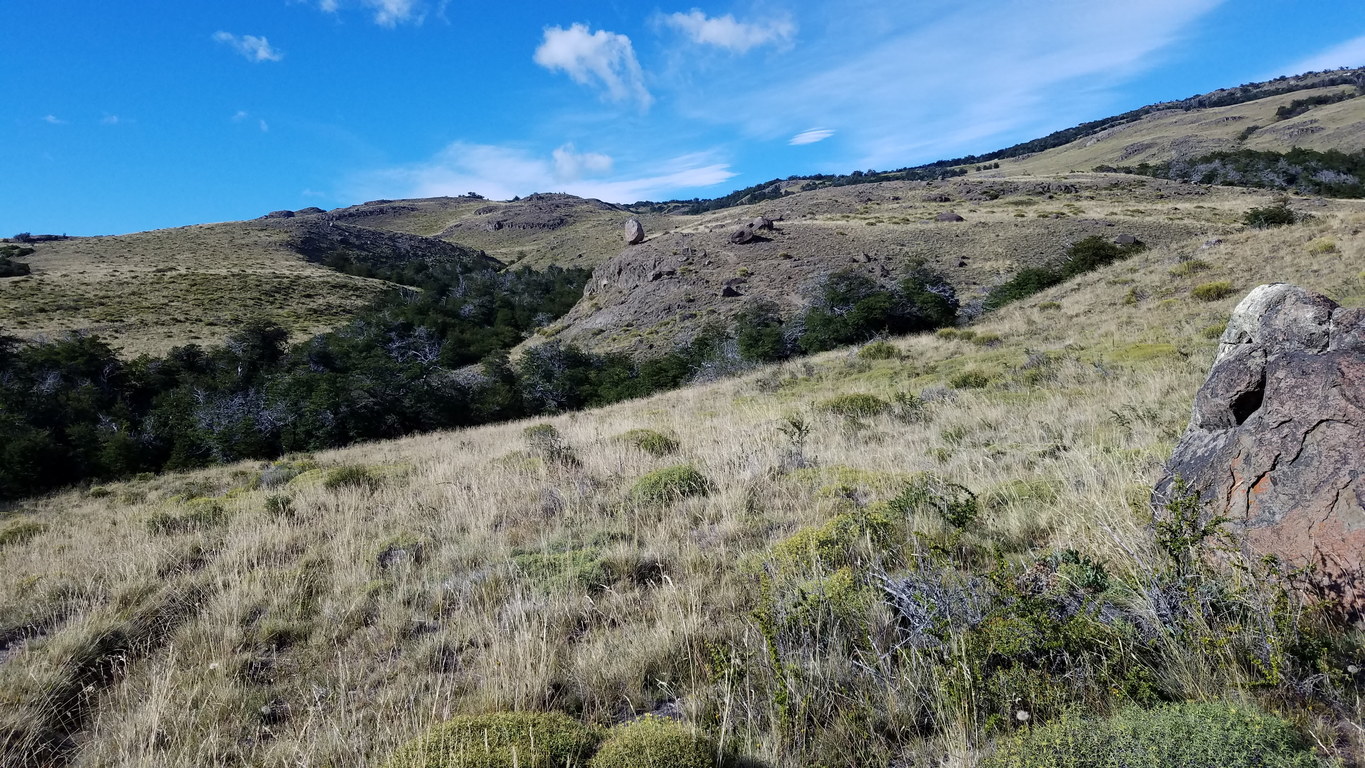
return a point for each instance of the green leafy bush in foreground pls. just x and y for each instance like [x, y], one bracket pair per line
[855, 405]
[504, 740]
[670, 484]
[654, 742]
[651, 441]
[1189, 735]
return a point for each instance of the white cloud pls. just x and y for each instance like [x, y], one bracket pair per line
[241, 115]
[265, 127]
[903, 86]
[504, 172]
[1348, 54]
[600, 58]
[53, 120]
[569, 165]
[387, 13]
[810, 137]
[252, 48]
[110, 120]
[726, 32]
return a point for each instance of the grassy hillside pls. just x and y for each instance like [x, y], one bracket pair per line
[328, 609]
[662, 292]
[1176, 133]
[153, 290]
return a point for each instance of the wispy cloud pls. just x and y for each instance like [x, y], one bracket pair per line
[726, 32]
[264, 126]
[501, 173]
[1348, 54]
[252, 48]
[385, 13]
[601, 59]
[903, 89]
[53, 120]
[110, 120]
[810, 137]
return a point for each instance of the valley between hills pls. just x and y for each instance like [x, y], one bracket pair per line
[893, 549]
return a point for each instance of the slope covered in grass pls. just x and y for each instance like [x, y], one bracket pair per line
[814, 598]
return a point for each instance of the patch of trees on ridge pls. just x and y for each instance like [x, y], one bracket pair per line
[72, 411]
[1330, 174]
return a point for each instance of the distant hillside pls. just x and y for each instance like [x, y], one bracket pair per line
[1164, 131]
[150, 291]
[654, 296]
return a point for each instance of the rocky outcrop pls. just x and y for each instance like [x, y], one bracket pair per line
[635, 232]
[949, 216]
[1276, 438]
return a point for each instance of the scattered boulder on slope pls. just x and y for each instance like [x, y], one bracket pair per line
[635, 232]
[743, 235]
[948, 216]
[1276, 438]
[1125, 239]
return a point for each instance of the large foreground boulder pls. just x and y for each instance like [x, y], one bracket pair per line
[1277, 440]
[635, 232]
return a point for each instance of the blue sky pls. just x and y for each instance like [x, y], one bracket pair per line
[128, 116]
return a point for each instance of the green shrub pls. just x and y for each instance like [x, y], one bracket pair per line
[1323, 246]
[854, 405]
[20, 532]
[670, 484]
[200, 514]
[504, 740]
[1214, 331]
[651, 442]
[835, 544]
[654, 742]
[1049, 306]
[879, 350]
[957, 505]
[1189, 735]
[280, 507]
[1190, 267]
[986, 339]
[1277, 215]
[350, 477]
[1026, 283]
[576, 570]
[546, 442]
[1212, 291]
[969, 380]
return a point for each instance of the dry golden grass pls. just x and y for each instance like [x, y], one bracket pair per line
[151, 291]
[334, 630]
[1160, 136]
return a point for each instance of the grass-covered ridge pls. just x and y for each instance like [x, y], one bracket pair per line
[783, 613]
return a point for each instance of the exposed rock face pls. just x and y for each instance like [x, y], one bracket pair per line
[1125, 239]
[1278, 434]
[635, 232]
[279, 215]
[948, 216]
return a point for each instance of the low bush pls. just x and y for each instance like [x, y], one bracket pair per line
[670, 484]
[879, 350]
[199, 515]
[503, 740]
[1212, 291]
[1190, 267]
[546, 442]
[20, 531]
[654, 742]
[1189, 735]
[651, 441]
[928, 493]
[1277, 215]
[350, 477]
[969, 380]
[854, 405]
